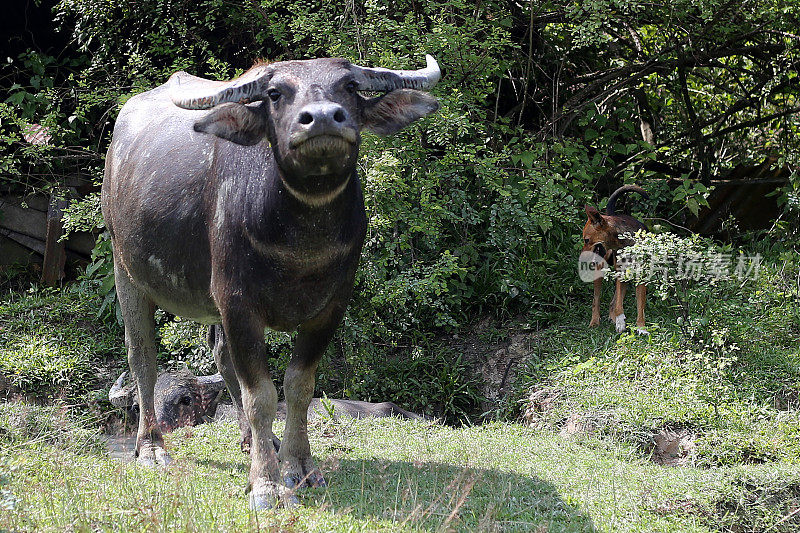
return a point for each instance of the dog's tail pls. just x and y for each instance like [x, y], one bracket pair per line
[612, 200]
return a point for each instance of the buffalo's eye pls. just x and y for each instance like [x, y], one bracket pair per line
[351, 87]
[586, 241]
[274, 95]
[186, 400]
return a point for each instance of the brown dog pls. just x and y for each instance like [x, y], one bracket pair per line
[602, 236]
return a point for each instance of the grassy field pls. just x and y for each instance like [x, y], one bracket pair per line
[573, 448]
[383, 475]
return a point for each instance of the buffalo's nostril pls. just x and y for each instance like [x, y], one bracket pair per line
[306, 118]
[339, 116]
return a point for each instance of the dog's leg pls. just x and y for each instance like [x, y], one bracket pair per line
[598, 284]
[618, 312]
[641, 293]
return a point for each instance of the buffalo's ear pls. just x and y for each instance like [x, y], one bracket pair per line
[394, 111]
[594, 216]
[234, 122]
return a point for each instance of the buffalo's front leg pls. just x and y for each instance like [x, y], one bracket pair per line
[222, 356]
[245, 342]
[297, 466]
[138, 316]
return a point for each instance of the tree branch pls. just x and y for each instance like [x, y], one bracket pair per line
[741, 126]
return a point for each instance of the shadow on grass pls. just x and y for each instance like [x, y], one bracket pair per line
[435, 497]
[226, 466]
[438, 497]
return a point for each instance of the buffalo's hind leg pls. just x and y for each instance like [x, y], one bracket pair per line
[138, 315]
[297, 466]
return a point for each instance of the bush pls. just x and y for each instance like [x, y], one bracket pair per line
[53, 345]
[435, 382]
[688, 273]
[476, 209]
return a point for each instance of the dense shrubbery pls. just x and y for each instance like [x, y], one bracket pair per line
[474, 210]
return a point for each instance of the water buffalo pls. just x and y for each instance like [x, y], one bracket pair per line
[248, 216]
[180, 398]
[183, 399]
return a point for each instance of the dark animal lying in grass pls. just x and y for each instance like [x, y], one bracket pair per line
[183, 399]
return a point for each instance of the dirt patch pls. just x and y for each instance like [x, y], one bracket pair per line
[5, 388]
[11, 393]
[673, 447]
[540, 402]
[666, 447]
[787, 400]
[496, 356]
[682, 506]
[578, 424]
[499, 369]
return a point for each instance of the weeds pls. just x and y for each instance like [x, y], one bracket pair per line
[53, 345]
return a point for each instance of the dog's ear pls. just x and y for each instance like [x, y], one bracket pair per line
[594, 215]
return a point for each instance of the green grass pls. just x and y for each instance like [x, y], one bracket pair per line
[383, 475]
[53, 345]
[641, 384]
[732, 378]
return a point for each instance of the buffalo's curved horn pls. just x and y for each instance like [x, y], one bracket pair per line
[214, 382]
[191, 92]
[119, 396]
[212, 388]
[384, 80]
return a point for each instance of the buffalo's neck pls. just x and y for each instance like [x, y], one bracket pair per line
[303, 256]
[304, 238]
[334, 207]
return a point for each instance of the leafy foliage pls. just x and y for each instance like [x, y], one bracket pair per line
[689, 273]
[726, 371]
[438, 384]
[476, 209]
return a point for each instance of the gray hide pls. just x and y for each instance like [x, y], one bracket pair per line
[180, 397]
[237, 204]
[183, 399]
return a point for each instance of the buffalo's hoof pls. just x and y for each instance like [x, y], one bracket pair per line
[301, 474]
[266, 494]
[313, 479]
[153, 455]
